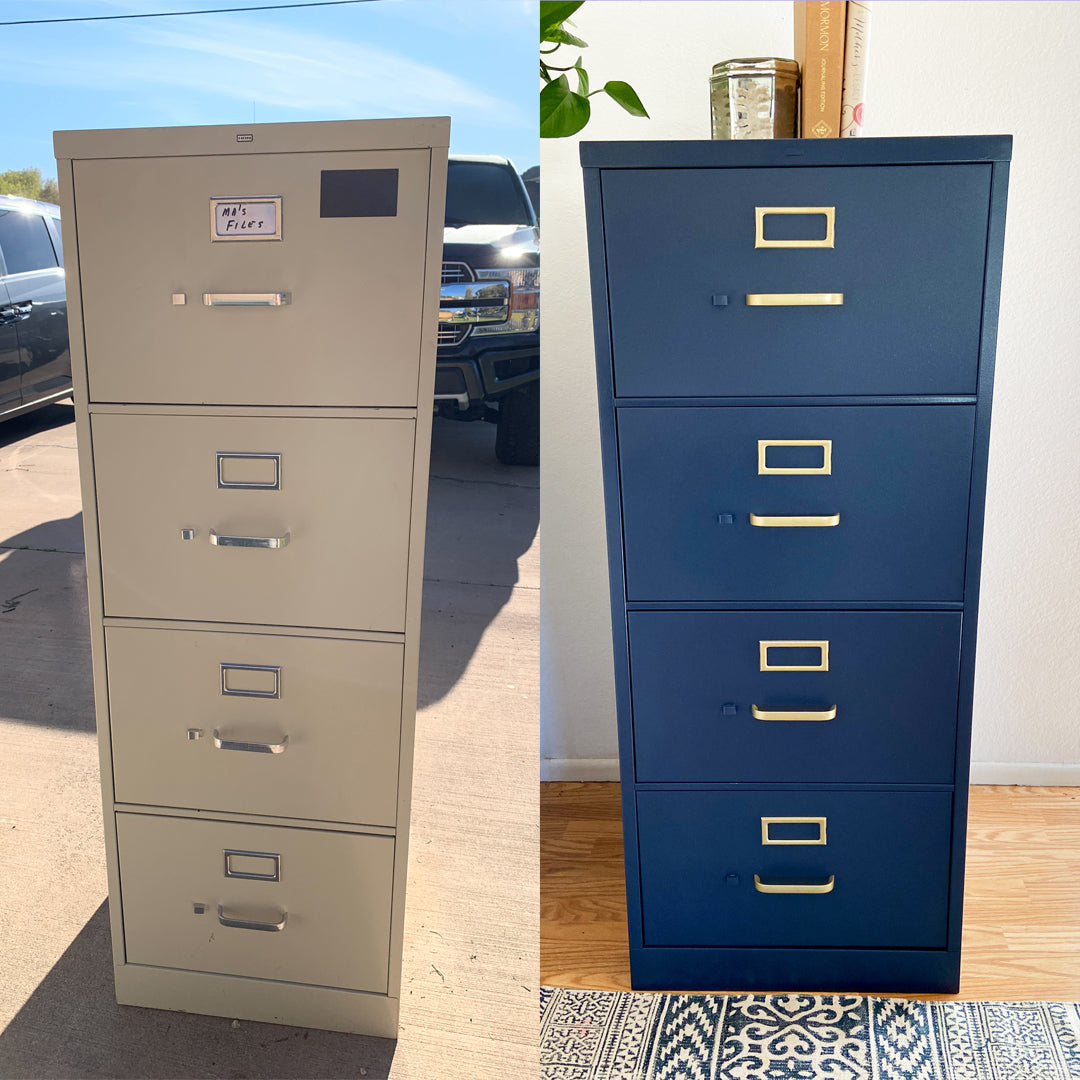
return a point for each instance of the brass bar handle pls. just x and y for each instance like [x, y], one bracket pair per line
[218, 540]
[249, 924]
[811, 887]
[251, 747]
[792, 714]
[819, 521]
[795, 299]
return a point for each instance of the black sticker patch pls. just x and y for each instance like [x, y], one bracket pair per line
[359, 193]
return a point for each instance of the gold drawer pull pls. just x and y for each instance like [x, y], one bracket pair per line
[765, 714]
[795, 299]
[813, 887]
[828, 212]
[825, 521]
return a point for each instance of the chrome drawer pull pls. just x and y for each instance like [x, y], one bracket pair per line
[816, 887]
[251, 747]
[249, 541]
[765, 714]
[249, 924]
[794, 299]
[245, 299]
[820, 521]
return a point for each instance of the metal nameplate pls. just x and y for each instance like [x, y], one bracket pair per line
[270, 859]
[245, 217]
[272, 670]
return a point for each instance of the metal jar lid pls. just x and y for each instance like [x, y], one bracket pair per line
[758, 65]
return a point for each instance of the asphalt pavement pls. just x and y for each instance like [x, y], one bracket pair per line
[470, 993]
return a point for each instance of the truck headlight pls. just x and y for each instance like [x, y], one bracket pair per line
[524, 300]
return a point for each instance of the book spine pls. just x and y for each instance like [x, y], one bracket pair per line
[819, 50]
[855, 60]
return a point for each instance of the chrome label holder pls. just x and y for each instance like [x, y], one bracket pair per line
[245, 217]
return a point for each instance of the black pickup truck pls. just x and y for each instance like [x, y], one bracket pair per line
[488, 360]
[35, 362]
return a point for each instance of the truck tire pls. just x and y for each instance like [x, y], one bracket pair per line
[517, 437]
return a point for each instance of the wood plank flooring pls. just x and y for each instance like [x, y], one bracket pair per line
[1021, 913]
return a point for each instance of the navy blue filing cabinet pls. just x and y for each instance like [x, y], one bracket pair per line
[795, 352]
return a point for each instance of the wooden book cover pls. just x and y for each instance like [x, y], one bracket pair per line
[819, 51]
[856, 42]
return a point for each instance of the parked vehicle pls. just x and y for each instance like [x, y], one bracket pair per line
[35, 361]
[488, 360]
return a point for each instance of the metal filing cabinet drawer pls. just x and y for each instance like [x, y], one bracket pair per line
[791, 869]
[794, 696]
[904, 247]
[295, 904]
[709, 512]
[794, 356]
[258, 723]
[254, 322]
[349, 331]
[332, 493]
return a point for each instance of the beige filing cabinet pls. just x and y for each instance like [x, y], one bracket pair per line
[253, 317]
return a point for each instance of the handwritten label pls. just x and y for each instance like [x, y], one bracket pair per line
[246, 219]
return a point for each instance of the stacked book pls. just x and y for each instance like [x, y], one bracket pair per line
[830, 46]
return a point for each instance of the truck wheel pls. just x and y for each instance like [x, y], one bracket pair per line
[517, 437]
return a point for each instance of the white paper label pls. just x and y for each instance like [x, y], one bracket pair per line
[247, 219]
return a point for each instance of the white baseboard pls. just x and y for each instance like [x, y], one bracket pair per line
[600, 768]
[1029, 774]
[1033, 774]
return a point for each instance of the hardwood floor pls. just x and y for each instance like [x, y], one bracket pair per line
[1021, 912]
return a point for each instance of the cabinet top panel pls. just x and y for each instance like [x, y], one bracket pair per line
[254, 138]
[721, 153]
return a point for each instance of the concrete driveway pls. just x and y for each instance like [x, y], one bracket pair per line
[472, 919]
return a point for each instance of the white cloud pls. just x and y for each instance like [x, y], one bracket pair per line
[270, 66]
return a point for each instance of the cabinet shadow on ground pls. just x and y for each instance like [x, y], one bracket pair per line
[482, 518]
[72, 1026]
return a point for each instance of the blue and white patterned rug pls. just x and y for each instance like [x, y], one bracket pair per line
[598, 1035]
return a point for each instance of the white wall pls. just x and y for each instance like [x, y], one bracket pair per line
[937, 68]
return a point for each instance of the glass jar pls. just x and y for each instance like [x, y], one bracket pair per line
[754, 98]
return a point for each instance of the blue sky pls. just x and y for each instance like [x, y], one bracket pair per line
[474, 60]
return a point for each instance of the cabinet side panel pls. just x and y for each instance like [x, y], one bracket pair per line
[995, 244]
[68, 202]
[594, 216]
[417, 527]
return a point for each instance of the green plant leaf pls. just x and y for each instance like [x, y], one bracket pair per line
[554, 12]
[624, 94]
[562, 112]
[582, 78]
[564, 37]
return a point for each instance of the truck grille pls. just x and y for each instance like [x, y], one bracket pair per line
[453, 272]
